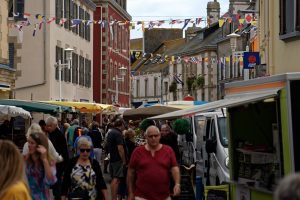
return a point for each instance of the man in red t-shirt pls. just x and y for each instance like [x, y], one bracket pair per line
[149, 170]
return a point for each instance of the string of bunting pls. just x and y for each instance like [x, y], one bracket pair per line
[39, 20]
[159, 59]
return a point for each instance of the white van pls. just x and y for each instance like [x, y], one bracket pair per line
[211, 147]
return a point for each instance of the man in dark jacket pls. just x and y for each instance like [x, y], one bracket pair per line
[170, 138]
[60, 144]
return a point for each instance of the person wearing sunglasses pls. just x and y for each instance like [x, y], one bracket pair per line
[83, 177]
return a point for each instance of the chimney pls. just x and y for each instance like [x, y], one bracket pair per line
[213, 12]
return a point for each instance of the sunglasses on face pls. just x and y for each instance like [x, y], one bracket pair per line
[83, 150]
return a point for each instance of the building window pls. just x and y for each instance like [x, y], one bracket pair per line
[87, 79]
[59, 58]
[67, 70]
[81, 25]
[155, 86]
[166, 88]
[67, 13]
[75, 16]
[58, 10]
[87, 34]
[289, 18]
[71, 12]
[74, 68]
[11, 54]
[19, 9]
[81, 70]
[146, 87]
[137, 88]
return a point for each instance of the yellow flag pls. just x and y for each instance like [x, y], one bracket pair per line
[173, 58]
[221, 22]
[254, 23]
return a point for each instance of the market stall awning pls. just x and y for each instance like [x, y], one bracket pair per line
[13, 111]
[85, 107]
[224, 103]
[33, 106]
[140, 113]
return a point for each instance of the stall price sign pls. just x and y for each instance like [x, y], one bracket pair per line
[251, 59]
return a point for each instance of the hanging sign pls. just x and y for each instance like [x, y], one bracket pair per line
[251, 59]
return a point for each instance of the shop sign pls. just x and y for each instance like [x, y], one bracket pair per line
[251, 59]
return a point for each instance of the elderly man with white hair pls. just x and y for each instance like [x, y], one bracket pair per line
[60, 144]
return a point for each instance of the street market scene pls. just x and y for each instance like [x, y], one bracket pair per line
[149, 100]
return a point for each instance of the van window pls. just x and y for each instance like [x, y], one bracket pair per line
[223, 131]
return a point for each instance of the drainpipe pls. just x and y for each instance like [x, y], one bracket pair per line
[44, 81]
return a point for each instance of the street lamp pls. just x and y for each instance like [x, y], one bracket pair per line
[233, 41]
[122, 71]
[233, 44]
[61, 66]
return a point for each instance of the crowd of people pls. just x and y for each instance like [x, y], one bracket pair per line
[66, 162]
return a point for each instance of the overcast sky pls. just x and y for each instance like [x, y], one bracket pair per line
[168, 9]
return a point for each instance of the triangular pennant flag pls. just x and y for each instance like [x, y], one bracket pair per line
[186, 21]
[62, 21]
[198, 20]
[89, 22]
[51, 20]
[34, 30]
[221, 22]
[241, 21]
[75, 22]
[26, 15]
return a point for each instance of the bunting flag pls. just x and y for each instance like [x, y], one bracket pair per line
[137, 54]
[248, 17]
[198, 20]
[89, 22]
[62, 21]
[186, 21]
[75, 22]
[34, 30]
[26, 15]
[132, 26]
[178, 80]
[221, 22]
[51, 20]
[16, 14]
[241, 21]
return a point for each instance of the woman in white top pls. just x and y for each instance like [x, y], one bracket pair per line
[37, 128]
